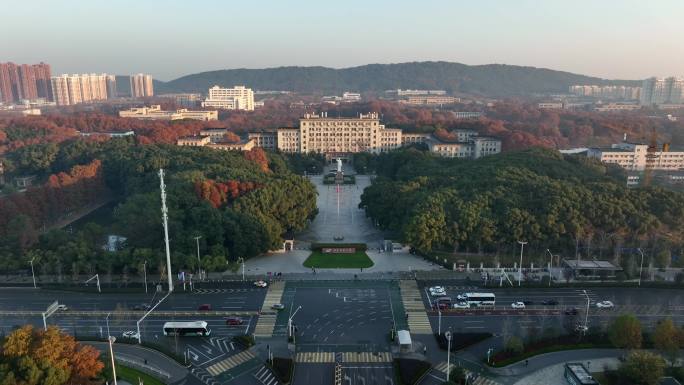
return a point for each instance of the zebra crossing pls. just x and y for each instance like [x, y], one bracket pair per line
[265, 376]
[203, 376]
[366, 357]
[230, 362]
[315, 357]
[267, 319]
[479, 380]
[221, 291]
[412, 300]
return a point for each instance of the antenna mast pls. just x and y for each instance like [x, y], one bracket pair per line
[165, 220]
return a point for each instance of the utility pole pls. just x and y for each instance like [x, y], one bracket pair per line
[165, 220]
[199, 262]
[145, 274]
[522, 246]
[641, 266]
[586, 314]
[550, 265]
[111, 353]
[448, 336]
[32, 273]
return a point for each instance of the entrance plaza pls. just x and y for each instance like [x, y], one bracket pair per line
[339, 219]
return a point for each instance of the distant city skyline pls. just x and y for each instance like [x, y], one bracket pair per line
[615, 39]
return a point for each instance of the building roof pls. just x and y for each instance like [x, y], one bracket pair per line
[590, 264]
[581, 373]
[669, 381]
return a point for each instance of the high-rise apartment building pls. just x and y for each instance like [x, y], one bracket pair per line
[141, 86]
[111, 87]
[24, 82]
[657, 91]
[236, 98]
[606, 92]
[74, 89]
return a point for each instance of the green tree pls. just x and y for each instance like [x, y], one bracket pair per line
[643, 368]
[515, 345]
[666, 339]
[625, 332]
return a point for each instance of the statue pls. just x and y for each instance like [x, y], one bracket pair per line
[339, 165]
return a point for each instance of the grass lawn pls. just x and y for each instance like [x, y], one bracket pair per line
[132, 375]
[356, 260]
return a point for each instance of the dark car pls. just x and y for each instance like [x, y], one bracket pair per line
[234, 321]
[550, 302]
[204, 307]
[571, 311]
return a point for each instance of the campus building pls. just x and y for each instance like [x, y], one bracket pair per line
[236, 98]
[155, 112]
[632, 156]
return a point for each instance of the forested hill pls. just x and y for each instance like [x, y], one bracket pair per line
[496, 80]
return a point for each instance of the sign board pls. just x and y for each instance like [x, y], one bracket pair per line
[338, 250]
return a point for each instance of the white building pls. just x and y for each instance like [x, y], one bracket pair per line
[632, 156]
[657, 91]
[142, 86]
[74, 89]
[236, 98]
[156, 113]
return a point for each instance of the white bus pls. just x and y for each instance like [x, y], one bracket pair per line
[186, 328]
[480, 299]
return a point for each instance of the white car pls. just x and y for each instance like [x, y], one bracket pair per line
[461, 297]
[260, 284]
[62, 307]
[130, 334]
[518, 305]
[461, 305]
[605, 305]
[437, 291]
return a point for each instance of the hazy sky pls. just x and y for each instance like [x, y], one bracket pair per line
[627, 39]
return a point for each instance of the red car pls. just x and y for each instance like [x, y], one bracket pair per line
[204, 307]
[231, 321]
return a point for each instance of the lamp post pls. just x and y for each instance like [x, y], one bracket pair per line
[439, 321]
[641, 266]
[111, 353]
[107, 321]
[145, 274]
[489, 354]
[32, 273]
[289, 324]
[522, 246]
[199, 262]
[586, 314]
[448, 336]
[242, 260]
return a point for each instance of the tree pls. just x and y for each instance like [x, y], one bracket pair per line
[666, 339]
[30, 356]
[625, 332]
[643, 368]
[515, 345]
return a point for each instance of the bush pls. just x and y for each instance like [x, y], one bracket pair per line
[282, 368]
[410, 370]
[515, 345]
[461, 340]
[457, 375]
[244, 340]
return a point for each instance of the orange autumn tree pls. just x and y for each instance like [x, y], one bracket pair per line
[258, 156]
[30, 356]
[220, 193]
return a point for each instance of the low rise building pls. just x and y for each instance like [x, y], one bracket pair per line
[236, 98]
[467, 114]
[430, 100]
[155, 112]
[467, 145]
[266, 140]
[550, 106]
[242, 145]
[194, 141]
[632, 156]
[616, 107]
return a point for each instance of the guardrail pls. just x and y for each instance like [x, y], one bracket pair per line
[142, 367]
[100, 313]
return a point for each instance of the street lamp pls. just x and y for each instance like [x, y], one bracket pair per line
[439, 321]
[522, 246]
[550, 265]
[199, 262]
[242, 260]
[111, 353]
[32, 273]
[641, 266]
[586, 314]
[448, 336]
[289, 324]
[107, 321]
[489, 354]
[145, 274]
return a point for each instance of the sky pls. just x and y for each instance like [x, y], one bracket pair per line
[616, 39]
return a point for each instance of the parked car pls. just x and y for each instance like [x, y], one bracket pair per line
[62, 307]
[571, 311]
[518, 305]
[130, 334]
[605, 305]
[231, 321]
[461, 297]
[278, 306]
[461, 305]
[260, 284]
[437, 291]
[550, 302]
[204, 307]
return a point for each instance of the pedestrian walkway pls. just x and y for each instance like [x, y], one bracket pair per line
[230, 363]
[265, 376]
[366, 357]
[479, 380]
[315, 357]
[267, 317]
[412, 300]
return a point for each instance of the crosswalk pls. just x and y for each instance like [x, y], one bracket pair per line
[315, 357]
[265, 376]
[267, 319]
[418, 321]
[221, 291]
[365, 357]
[203, 376]
[230, 363]
[479, 380]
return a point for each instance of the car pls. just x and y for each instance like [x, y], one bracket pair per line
[461, 297]
[260, 284]
[605, 305]
[234, 321]
[581, 328]
[571, 311]
[518, 305]
[437, 291]
[550, 302]
[142, 306]
[130, 334]
[62, 307]
[278, 306]
[204, 307]
[441, 306]
[461, 305]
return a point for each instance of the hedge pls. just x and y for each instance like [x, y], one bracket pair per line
[357, 246]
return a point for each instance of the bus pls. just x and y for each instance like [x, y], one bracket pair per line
[187, 328]
[480, 299]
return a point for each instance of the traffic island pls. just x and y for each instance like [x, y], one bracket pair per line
[338, 256]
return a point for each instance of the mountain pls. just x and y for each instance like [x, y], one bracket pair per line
[495, 80]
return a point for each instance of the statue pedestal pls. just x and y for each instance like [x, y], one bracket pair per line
[339, 178]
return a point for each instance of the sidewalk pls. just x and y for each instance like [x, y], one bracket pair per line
[545, 360]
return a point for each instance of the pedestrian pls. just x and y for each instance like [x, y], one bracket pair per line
[145, 361]
[527, 362]
[424, 349]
